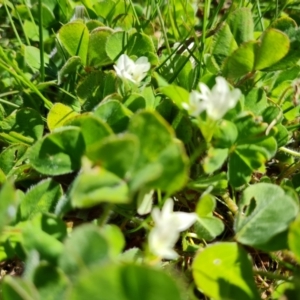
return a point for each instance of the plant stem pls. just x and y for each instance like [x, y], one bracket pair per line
[102, 220]
[204, 27]
[260, 15]
[289, 151]
[270, 275]
[136, 16]
[21, 23]
[9, 103]
[42, 67]
[26, 82]
[162, 24]
[12, 24]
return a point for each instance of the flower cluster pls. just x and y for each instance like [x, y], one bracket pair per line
[127, 69]
[216, 102]
[168, 225]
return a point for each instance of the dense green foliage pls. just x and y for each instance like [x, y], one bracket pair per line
[111, 108]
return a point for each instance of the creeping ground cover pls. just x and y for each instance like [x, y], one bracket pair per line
[149, 150]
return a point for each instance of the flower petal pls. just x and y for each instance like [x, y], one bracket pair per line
[181, 220]
[161, 241]
[205, 91]
[156, 215]
[167, 209]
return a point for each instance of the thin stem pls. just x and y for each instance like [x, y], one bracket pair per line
[204, 27]
[230, 204]
[30, 15]
[288, 171]
[293, 127]
[162, 24]
[9, 93]
[42, 67]
[21, 24]
[159, 197]
[289, 151]
[9, 103]
[270, 275]
[136, 16]
[26, 82]
[105, 215]
[260, 15]
[12, 24]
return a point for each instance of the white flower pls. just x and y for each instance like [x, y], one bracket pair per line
[126, 68]
[168, 225]
[215, 102]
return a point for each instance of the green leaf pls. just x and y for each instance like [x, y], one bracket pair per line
[93, 131]
[162, 162]
[284, 24]
[125, 282]
[32, 57]
[96, 186]
[177, 94]
[256, 101]
[70, 67]
[207, 226]
[59, 152]
[66, 9]
[174, 174]
[114, 113]
[106, 153]
[115, 239]
[294, 238]
[47, 13]
[272, 114]
[214, 160]
[41, 198]
[251, 130]
[241, 60]
[260, 214]
[242, 162]
[241, 24]
[25, 122]
[140, 44]
[14, 288]
[135, 102]
[58, 115]
[8, 203]
[292, 57]
[32, 31]
[86, 248]
[224, 271]
[50, 281]
[74, 37]
[218, 182]
[97, 55]
[93, 24]
[223, 44]
[36, 238]
[282, 135]
[105, 8]
[94, 87]
[225, 134]
[272, 47]
[11, 156]
[116, 44]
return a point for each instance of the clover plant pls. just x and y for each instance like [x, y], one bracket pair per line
[149, 150]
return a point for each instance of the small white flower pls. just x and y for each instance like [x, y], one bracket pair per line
[215, 102]
[126, 68]
[168, 225]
